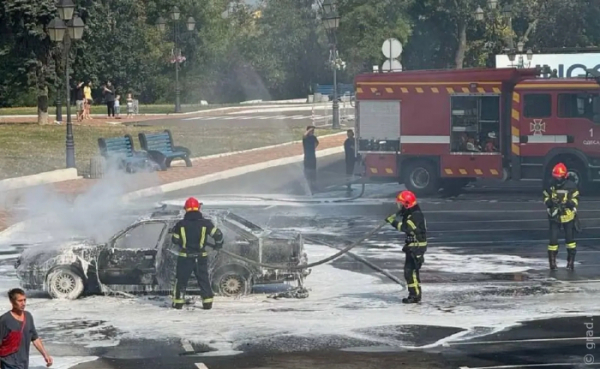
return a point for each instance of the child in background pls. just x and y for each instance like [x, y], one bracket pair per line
[117, 107]
[129, 106]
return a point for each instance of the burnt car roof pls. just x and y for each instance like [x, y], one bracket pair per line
[230, 220]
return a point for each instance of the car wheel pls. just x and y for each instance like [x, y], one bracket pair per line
[64, 283]
[232, 284]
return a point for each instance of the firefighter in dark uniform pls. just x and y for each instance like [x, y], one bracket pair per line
[562, 199]
[190, 234]
[414, 225]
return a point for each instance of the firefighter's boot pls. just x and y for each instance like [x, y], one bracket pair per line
[571, 259]
[552, 259]
[411, 299]
[177, 306]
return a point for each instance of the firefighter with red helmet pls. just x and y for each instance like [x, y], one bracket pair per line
[190, 235]
[562, 199]
[413, 224]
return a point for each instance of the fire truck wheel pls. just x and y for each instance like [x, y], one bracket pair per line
[422, 178]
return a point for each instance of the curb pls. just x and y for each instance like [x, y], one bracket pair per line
[226, 174]
[54, 176]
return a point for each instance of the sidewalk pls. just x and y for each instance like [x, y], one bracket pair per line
[202, 167]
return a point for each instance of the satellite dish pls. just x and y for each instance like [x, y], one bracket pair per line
[392, 48]
[392, 66]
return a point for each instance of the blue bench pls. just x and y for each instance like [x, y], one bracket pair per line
[342, 89]
[161, 149]
[122, 151]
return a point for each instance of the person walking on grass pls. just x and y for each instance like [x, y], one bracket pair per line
[17, 331]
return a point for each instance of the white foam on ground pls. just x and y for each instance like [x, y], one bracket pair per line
[340, 303]
[441, 260]
[62, 362]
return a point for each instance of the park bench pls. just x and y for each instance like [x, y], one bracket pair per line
[120, 151]
[161, 149]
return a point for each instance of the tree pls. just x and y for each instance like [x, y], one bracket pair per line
[364, 25]
[31, 56]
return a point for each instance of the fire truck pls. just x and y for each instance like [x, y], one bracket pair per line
[434, 129]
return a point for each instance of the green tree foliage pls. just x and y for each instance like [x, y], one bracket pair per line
[364, 25]
[27, 60]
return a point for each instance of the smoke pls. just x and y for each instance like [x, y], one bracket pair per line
[96, 213]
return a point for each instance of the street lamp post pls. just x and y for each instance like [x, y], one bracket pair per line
[507, 13]
[59, 32]
[331, 20]
[191, 24]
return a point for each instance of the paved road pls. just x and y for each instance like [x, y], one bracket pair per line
[290, 116]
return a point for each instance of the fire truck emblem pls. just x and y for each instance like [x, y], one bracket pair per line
[537, 127]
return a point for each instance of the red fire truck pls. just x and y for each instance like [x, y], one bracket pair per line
[435, 129]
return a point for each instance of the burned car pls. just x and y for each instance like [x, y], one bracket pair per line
[142, 259]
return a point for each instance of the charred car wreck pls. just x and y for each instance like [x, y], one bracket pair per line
[142, 259]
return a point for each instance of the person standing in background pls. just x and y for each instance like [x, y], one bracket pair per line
[310, 144]
[17, 331]
[79, 101]
[87, 94]
[109, 98]
[349, 150]
[117, 107]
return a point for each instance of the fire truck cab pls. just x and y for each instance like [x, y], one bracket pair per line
[435, 129]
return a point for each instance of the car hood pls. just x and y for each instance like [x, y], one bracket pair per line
[38, 254]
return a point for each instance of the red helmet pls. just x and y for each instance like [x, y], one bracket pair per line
[407, 199]
[559, 171]
[191, 204]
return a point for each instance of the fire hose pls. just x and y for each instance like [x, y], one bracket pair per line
[306, 266]
[342, 252]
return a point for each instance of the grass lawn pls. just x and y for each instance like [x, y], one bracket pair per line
[29, 148]
[101, 109]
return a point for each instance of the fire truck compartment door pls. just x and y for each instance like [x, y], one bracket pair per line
[472, 165]
[379, 120]
[383, 165]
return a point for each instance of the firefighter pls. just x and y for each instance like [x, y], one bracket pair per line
[562, 199]
[414, 225]
[190, 234]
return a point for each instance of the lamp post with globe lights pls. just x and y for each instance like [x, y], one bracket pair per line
[507, 14]
[178, 58]
[59, 32]
[331, 21]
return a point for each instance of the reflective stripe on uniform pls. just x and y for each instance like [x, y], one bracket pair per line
[411, 224]
[417, 244]
[205, 254]
[203, 237]
[572, 245]
[568, 216]
[214, 230]
[415, 283]
[574, 198]
[184, 239]
[176, 236]
[552, 247]
[206, 301]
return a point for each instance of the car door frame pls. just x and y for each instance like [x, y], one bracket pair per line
[148, 253]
